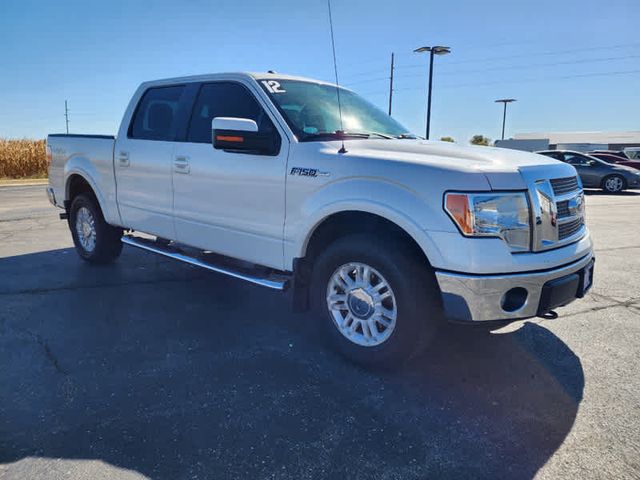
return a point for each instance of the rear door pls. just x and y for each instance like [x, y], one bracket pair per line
[143, 161]
[230, 202]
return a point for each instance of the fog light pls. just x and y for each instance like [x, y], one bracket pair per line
[514, 299]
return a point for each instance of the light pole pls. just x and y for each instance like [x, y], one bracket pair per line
[435, 50]
[504, 113]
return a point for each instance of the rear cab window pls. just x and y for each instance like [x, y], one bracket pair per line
[156, 116]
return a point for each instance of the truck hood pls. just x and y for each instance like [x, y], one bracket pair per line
[458, 157]
[502, 167]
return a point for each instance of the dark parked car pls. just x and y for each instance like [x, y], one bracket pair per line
[617, 153]
[595, 173]
[607, 157]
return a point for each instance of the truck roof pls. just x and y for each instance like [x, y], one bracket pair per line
[228, 75]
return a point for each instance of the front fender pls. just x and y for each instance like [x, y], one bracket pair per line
[389, 200]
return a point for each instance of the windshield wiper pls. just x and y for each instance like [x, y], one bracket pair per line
[407, 136]
[339, 134]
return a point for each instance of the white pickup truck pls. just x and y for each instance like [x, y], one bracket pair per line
[381, 233]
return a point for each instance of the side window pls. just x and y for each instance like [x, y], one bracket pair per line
[557, 156]
[155, 117]
[577, 160]
[225, 99]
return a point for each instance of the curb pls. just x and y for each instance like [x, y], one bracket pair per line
[24, 183]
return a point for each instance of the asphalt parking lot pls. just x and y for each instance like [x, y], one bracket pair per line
[153, 369]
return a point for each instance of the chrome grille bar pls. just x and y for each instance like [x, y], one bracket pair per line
[561, 186]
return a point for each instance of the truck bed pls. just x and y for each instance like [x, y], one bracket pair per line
[89, 155]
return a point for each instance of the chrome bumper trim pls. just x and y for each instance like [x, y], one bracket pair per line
[478, 298]
[52, 196]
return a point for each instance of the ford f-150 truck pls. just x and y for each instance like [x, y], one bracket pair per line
[279, 181]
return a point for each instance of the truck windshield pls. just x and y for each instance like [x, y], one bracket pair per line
[311, 110]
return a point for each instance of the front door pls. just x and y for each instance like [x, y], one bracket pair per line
[231, 203]
[587, 168]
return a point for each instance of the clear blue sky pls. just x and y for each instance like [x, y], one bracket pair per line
[566, 61]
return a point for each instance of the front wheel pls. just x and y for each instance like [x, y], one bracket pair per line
[378, 303]
[613, 184]
[95, 240]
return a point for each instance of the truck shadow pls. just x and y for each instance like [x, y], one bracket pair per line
[624, 193]
[171, 372]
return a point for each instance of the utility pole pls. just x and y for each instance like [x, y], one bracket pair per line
[66, 116]
[391, 85]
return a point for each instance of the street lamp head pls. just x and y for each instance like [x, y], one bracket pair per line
[440, 50]
[506, 100]
[437, 50]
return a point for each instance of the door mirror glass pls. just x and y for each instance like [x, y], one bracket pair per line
[241, 135]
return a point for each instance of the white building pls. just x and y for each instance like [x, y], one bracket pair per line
[580, 141]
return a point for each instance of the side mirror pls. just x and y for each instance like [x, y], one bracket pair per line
[240, 135]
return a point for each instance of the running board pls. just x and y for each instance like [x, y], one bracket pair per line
[272, 280]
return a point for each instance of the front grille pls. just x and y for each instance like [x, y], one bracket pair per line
[563, 209]
[564, 185]
[565, 230]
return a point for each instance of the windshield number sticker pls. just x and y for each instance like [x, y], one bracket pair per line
[273, 86]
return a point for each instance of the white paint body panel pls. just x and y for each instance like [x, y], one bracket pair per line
[145, 194]
[253, 208]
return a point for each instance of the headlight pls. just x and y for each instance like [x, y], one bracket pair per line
[502, 215]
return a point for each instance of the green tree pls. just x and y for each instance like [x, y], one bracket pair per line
[480, 140]
[447, 139]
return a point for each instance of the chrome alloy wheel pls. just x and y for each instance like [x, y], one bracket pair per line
[362, 304]
[86, 229]
[613, 184]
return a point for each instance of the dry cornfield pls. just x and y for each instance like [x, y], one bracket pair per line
[22, 158]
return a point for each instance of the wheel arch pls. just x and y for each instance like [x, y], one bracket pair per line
[346, 222]
[339, 224]
[75, 185]
[78, 181]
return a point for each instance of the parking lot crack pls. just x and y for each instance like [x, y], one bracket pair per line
[48, 353]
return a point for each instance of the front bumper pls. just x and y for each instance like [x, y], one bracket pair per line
[475, 298]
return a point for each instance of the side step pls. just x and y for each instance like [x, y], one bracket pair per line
[269, 279]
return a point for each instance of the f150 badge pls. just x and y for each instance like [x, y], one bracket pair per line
[308, 172]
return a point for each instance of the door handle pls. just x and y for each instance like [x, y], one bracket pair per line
[181, 164]
[123, 159]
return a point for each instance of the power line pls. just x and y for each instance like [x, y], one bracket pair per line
[557, 77]
[368, 80]
[500, 82]
[535, 65]
[529, 55]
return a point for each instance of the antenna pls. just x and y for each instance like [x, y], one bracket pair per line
[391, 85]
[66, 116]
[335, 69]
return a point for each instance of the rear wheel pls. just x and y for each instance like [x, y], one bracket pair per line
[613, 184]
[378, 303]
[95, 240]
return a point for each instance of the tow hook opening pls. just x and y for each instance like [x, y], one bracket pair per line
[550, 315]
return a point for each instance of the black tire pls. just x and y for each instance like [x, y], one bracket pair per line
[418, 304]
[107, 238]
[606, 186]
